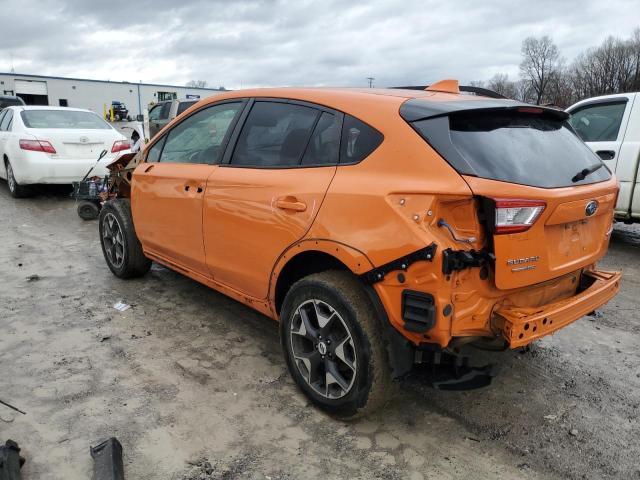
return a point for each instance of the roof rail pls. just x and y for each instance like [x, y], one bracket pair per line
[484, 92]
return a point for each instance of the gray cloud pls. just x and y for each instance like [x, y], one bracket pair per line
[272, 42]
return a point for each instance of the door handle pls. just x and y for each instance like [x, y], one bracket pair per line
[148, 169]
[606, 154]
[291, 203]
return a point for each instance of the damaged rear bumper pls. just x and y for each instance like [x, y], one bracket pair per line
[521, 325]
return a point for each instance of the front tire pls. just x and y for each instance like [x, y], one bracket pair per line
[15, 189]
[120, 245]
[333, 344]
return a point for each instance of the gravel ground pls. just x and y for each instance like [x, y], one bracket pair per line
[194, 385]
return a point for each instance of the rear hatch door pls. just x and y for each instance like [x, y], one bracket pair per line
[547, 198]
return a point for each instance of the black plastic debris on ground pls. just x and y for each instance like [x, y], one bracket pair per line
[107, 458]
[10, 461]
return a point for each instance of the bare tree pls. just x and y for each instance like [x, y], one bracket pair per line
[501, 84]
[540, 62]
[196, 83]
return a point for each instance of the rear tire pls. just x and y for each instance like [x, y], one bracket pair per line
[333, 344]
[120, 245]
[88, 210]
[15, 189]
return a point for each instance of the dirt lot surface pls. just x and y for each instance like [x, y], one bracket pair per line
[195, 387]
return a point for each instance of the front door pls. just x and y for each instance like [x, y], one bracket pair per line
[268, 194]
[168, 188]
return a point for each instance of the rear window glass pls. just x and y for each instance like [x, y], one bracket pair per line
[325, 141]
[274, 135]
[600, 122]
[182, 106]
[63, 119]
[359, 140]
[525, 148]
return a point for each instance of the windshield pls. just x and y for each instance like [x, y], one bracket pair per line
[512, 146]
[71, 119]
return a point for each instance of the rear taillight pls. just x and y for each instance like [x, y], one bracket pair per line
[37, 146]
[514, 215]
[120, 145]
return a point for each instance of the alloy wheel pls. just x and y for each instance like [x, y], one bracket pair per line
[113, 240]
[323, 349]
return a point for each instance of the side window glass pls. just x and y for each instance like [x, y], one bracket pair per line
[198, 138]
[154, 113]
[324, 146]
[599, 122]
[164, 112]
[6, 121]
[2, 114]
[274, 135]
[154, 153]
[358, 141]
[182, 106]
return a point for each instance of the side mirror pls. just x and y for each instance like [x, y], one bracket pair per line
[139, 118]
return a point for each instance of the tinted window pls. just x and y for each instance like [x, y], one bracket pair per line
[531, 149]
[324, 146]
[274, 135]
[5, 123]
[70, 119]
[154, 113]
[182, 106]
[599, 122]
[165, 110]
[359, 140]
[198, 139]
[2, 114]
[8, 102]
[154, 152]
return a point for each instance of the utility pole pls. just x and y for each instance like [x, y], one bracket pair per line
[370, 79]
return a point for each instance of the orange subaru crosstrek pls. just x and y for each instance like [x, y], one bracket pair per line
[375, 225]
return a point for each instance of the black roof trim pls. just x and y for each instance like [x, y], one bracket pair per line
[484, 92]
[419, 109]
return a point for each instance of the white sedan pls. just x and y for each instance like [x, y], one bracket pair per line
[55, 145]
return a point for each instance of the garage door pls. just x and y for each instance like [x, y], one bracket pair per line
[30, 87]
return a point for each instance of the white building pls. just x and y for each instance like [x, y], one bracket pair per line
[93, 94]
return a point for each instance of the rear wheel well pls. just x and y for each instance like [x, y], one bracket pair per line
[300, 266]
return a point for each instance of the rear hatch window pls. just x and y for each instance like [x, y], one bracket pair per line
[524, 145]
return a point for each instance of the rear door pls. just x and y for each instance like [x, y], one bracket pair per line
[168, 188]
[267, 193]
[602, 124]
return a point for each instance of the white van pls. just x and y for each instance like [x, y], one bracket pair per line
[610, 125]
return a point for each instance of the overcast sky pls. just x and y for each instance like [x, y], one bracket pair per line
[272, 43]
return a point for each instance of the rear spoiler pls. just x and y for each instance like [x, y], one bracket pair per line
[416, 109]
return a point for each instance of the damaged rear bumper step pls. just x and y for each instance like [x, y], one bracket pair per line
[521, 325]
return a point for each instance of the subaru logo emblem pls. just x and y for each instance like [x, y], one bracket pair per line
[591, 208]
[84, 139]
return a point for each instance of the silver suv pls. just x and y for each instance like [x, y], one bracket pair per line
[163, 112]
